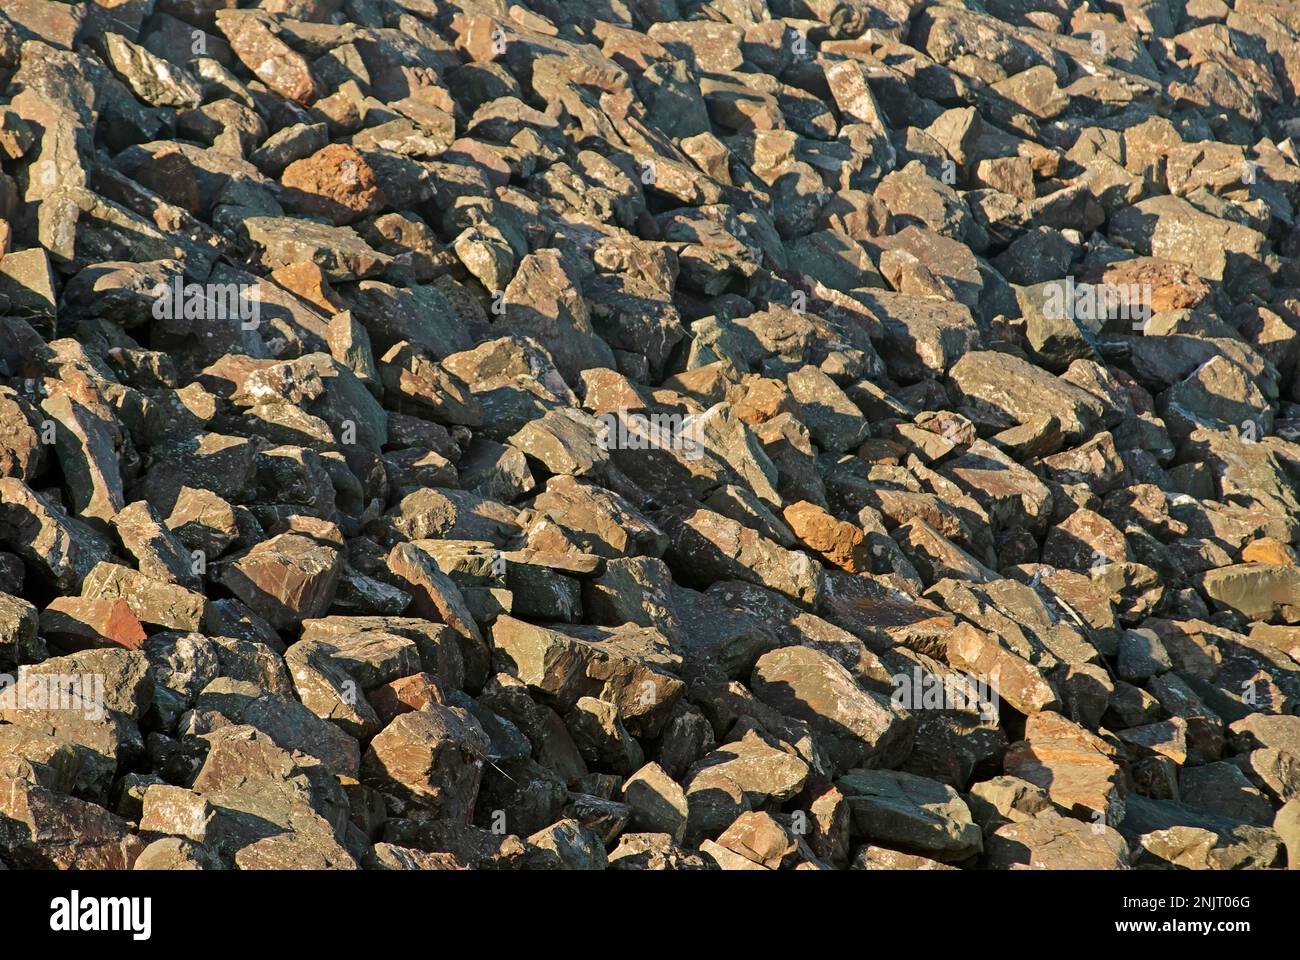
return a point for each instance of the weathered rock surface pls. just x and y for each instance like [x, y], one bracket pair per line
[766, 435]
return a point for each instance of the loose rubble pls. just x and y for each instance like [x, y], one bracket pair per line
[674, 434]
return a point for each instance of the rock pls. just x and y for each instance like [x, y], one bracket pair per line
[335, 183]
[718, 548]
[601, 738]
[630, 669]
[1223, 789]
[42, 830]
[870, 857]
[856, 727]
[60, 548]
[287, 723]
[755, 841]
[85, 448]
[19, 623]
[1015, 680]
[1077, 768]
[435, 596]
[1171, 228]
[1004, 800]
[566, 845]
[737, 777]
[1257, 591]
[270, 59]
[286, 579]
[175, 853]
[912, 812]
[652, 851]
[153, 603]
[1014, 391]
[840, 542]
[338, 251]
[1287, 826]
[154, 80]
[158, 554]
[271, 808]
[543, 301]
[1053, 842]
[1168, 832]
[658, 803]
[642, 418]
[431, 759]
[77, 623]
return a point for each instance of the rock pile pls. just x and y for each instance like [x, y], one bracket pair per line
[649, 434]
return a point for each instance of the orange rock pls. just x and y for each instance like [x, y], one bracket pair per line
[840, 542]
[405, 694]
[764, 398]
[272, 60]
[1268, 550]
[1173, 285]
[335, 182]
[307, 280]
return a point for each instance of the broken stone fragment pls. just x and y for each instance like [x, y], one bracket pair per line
[1053, 842]
[911, 812]
[85, 448]
[335, 183]
[857, 727]
[286, 579]
[601, 738]
[840, 542]
[740, 776]
[755, 841]
[288, 724]
[176, 853]
[431, 758]
[79, 623]
[717, 548]
[1258, 591]
[628, 668]
[154, 80]
[658, 803]
[270, 59]
[653, 851]
[42, 830]
[1015, 680]
[337, 250]
[273, 808]
[436, 597]
[1077, 768]
[158, 553]
[566, 845]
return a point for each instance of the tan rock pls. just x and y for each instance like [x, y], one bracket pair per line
[1078, 769]
[840, 542]
[756, 838]
[1015, 679]
[1053, 842]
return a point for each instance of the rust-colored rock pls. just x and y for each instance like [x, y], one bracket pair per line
[77, 623]
[336, 183]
